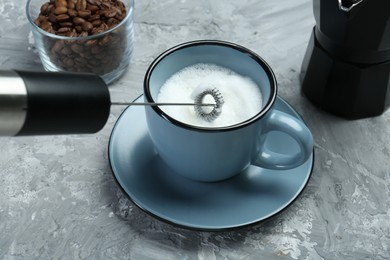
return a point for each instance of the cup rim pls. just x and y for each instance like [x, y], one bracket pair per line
[78, 38]
[251, 54]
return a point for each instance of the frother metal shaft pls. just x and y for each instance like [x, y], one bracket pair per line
[198, 95]
[162, 104]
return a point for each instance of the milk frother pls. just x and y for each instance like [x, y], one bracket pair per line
[48, 103]
[346, 68]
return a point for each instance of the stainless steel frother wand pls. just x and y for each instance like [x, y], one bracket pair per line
[47, 103]
[161, 104]
[200, 93]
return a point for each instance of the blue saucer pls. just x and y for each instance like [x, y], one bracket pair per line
[250, 197]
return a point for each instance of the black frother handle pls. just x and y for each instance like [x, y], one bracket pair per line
[64, 103]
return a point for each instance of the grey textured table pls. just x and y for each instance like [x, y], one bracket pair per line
[59, 200]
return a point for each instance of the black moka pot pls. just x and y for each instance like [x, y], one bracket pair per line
[346, 68]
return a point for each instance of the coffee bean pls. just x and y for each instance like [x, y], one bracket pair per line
[121, 5]
[104, 27]
[66, 51]
[44, 8]
[77, 48]
[64, 30]
[91, 43]
[78, 28]
[83, 34]
[93, 2]
[60, 3]
[84, 13]
[58, 45]
[97, 30]
[107, 4]
[118, 11]
[71, 5]
[52, 18]
[66, 24]
[50, 9]
[112, 21]
[61, 10]
[72, 33]
[46, 26]
[72, 13]
[81, 5]
[87, 26]
[106, 39]
[68, 62]
[94, 17]
[93, 8]
[110, 13]
[78, 20]
[41, 19]
[62, 18]
[96, 23]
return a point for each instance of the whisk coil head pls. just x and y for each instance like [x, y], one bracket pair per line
[217, 109]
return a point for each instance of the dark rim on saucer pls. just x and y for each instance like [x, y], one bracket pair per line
[230, 228]
[249, 53]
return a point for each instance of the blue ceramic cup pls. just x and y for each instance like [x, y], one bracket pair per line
[218, 153]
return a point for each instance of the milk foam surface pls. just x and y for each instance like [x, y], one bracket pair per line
[241, 95]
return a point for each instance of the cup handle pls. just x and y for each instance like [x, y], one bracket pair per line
[280, 121]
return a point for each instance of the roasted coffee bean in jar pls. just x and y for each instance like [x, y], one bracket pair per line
[92, 36]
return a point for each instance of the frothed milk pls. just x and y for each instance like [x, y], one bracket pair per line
[242, 97]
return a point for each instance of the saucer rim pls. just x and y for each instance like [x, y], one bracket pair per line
[192, 228]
